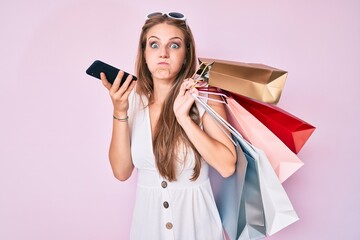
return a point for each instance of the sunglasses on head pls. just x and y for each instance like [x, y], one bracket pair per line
[174, 15]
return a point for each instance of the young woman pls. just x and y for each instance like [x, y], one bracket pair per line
[159, 130]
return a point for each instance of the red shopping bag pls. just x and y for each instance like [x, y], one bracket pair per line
[290, 129]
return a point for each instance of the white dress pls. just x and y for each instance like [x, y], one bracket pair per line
[179, 210]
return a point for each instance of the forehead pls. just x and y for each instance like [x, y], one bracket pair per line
[164, 31]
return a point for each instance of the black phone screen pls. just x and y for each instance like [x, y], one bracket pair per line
[111, 72]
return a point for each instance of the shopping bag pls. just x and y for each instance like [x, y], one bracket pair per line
[265, 207]
[278, 210]
[238, 199]
[291, 130]
[251, 222]
[240, 204]
[253, 80]
[228, 193]
[283, 160]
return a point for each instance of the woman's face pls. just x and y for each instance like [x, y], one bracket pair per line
[165, 51]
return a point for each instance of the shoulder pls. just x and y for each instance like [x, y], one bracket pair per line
[137, 102]
[199, 106]
[216, 101]
[134, 100]
[218, 104]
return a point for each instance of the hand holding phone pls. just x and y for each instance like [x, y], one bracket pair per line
[110, 72]
[119, 97]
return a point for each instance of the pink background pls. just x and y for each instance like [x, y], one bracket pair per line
[55, 124]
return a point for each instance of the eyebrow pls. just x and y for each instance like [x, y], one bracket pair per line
[169, 39]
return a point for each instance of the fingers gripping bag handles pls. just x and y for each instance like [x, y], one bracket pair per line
[264, 207]
[257, 81]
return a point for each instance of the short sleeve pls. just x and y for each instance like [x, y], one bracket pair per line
[132, 107]
[200, 107]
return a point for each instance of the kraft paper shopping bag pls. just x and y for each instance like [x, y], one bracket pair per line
[257, 81]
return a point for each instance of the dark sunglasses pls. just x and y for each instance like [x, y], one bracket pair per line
[174, 15]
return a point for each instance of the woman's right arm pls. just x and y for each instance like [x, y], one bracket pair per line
[119, 151]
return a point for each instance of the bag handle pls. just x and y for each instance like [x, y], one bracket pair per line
[213, 91]
[218, 119]
[221, 122]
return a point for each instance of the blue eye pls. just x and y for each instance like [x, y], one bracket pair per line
[154, 45]
[174, 45]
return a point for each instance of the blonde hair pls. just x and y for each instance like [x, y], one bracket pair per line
[168, 134]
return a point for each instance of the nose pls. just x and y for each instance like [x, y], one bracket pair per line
[164, 53]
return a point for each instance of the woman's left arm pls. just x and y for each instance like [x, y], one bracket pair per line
[212, 143]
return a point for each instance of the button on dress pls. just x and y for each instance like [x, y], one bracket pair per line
[178, 210]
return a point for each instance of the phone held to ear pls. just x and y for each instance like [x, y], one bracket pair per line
[111, 72]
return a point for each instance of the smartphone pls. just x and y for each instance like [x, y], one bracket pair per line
[111, 72]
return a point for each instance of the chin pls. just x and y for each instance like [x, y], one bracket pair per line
[164, 75]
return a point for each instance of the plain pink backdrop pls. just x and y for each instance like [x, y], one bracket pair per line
[55, 124]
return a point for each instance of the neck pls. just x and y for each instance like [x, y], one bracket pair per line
[161, 91]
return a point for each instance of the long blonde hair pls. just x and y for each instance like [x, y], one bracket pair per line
[169, 135]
